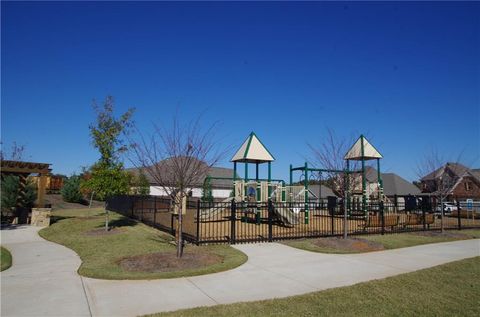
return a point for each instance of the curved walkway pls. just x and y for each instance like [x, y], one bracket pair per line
[43, 279]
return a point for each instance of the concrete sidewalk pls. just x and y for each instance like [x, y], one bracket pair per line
[272, 271]
[43, 279]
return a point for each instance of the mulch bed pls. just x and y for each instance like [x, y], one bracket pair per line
[101, 232]
[446, 234]
[168, 261]
[349, 244]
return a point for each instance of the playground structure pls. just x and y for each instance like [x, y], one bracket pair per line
[256, 190]
[228, 225]
[268, 209]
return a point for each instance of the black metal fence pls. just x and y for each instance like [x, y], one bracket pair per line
[239, 222]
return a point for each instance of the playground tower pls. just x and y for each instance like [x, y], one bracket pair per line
[363, 151]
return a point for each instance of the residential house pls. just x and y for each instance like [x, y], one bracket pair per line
[321, 191]
[393, 185]
[454, 181]
[221, 188]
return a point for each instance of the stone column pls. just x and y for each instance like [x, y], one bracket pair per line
[41, 189]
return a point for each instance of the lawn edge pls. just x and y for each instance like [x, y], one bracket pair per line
[111, 278]
[10, 263]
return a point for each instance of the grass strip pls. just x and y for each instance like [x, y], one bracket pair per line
[447, 290]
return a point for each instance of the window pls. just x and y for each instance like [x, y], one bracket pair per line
[468, 186]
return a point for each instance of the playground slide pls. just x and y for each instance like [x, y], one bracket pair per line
[287, 216]
[208, 213]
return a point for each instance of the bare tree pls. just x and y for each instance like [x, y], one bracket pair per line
[178, 158]
[16, 153]
[437, 176]
[329, 155]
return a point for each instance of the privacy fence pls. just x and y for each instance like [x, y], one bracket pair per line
[239, 222]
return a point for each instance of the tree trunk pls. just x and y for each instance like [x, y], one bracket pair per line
[178, 230]
[179, 235]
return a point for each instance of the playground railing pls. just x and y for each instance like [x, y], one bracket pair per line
[250, 221]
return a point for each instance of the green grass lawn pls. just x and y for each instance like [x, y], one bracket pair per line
[402, 240]
[5, 259]
[389, 241]
[100, 254]
[447, 290]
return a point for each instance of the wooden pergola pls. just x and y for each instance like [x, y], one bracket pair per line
[23, 170]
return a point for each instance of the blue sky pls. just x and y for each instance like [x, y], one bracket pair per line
[405, 74]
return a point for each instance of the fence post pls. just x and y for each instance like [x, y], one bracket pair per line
[198, 222]
[232, 222]
[424, 221]
[133, 205]
[458, 215]
[345, 216]
[154, 210]
[332, 220]
[270, 227]
[382, 215]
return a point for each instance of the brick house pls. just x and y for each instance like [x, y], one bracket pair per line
[467, 186]
[459, 182]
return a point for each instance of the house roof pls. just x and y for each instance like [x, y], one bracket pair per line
[323, 193]
[456, 168]
[362, 149]
[371, 174]
[396, 185]
[393, 184]
[252, 151]
[475, 173]
[222, 172]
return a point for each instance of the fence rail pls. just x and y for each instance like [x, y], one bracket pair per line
[240, 222]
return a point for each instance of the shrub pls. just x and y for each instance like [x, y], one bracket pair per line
[10, 185]
[30, 195]
[11, 198]
[139, 184]
[71, 190]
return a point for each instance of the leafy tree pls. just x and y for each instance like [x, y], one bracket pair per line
[107, 131]
[108, 181]
[12, 197]
[29, 195]
[71, 190]
[207, 195]
[140, 184]
[107, 176]
[10, 185]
